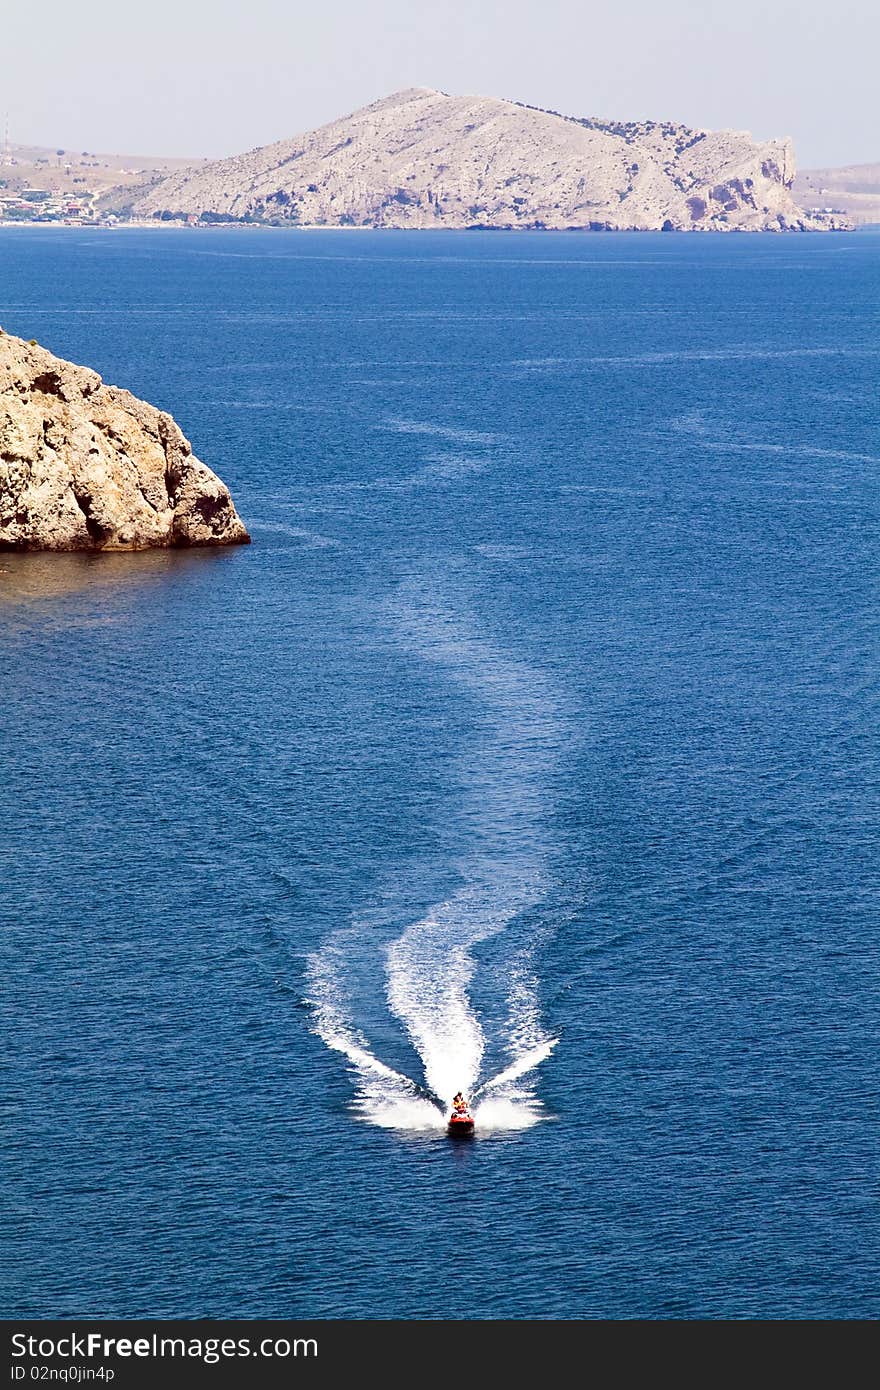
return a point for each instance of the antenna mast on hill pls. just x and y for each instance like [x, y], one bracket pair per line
[7, 153]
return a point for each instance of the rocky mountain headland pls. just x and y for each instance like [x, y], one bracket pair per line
[421, 158]
[86, 466]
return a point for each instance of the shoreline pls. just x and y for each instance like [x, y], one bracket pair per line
[162, 226]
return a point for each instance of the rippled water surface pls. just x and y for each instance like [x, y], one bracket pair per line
[531, 748]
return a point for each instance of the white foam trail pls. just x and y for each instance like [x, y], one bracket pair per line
[507, 1112]
[430, 966]
[429, 969]
[427, 978]
[521, 1067]
[331, 1025]
[384, 1096]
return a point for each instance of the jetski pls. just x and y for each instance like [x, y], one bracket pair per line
[460, 1124]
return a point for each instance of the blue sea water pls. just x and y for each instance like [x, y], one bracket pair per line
[535, 735]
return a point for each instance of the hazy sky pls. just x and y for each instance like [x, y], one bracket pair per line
[188, 77]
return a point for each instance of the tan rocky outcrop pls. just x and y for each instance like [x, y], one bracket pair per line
[84, 466]
[422, 158]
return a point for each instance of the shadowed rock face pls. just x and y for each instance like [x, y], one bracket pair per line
[422, 158]
[84, 466]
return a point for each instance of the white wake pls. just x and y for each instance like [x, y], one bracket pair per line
[429, 968]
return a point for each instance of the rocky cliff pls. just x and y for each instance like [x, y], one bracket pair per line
[421, 158]
[84, 466]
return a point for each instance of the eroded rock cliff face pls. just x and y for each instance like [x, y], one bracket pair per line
[84, 466]
[422, 158]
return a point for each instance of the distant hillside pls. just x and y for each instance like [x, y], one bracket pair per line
[853, 190]
[69, 171]
[61, 185]
[421, 158]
